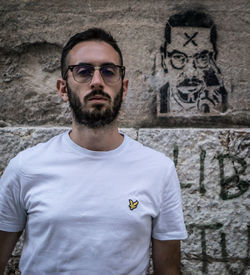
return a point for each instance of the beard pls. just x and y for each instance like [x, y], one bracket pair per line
[100, 115]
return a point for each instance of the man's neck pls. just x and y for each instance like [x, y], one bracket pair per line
[100, 139]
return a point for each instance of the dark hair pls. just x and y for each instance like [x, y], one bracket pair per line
[190, 18]
[92, 34]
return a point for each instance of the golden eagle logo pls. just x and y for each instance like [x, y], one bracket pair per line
[133, 205]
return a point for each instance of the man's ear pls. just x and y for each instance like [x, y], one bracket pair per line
[62, 89]
[125, 88]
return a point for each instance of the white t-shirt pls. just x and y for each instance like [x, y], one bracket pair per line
[88, 212]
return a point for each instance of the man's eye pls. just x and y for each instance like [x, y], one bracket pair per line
[82, 71]
[203, 57]
[179, 57]
[202, 60]
[108, 71]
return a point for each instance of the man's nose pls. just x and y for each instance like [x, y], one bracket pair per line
[190, 69]
[97, 80]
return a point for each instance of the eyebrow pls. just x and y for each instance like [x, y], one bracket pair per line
[175, 51]
[204, 51]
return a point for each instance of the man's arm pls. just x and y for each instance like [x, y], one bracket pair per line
[166, 257]
[7, 243]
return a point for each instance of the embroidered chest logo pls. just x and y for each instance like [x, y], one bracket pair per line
[133, 205]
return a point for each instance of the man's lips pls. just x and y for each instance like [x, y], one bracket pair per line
[98, 98]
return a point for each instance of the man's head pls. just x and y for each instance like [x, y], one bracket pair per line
[188, 55]
[191, 19]
[93, 78]
[93, 34]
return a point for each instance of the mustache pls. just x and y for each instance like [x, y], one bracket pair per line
[194, 81]
[97, 92]
[210, 78]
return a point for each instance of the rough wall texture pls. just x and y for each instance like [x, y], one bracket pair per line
[33, 33]
[197, 85]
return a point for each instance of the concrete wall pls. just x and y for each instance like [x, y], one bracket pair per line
[194, 108]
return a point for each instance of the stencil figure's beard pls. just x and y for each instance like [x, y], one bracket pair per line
[188, 89]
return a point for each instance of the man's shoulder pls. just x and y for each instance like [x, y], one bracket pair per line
[149, 154]
[33, 156]
[37, 151]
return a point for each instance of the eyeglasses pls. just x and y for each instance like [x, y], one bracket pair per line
[83, 73]
[179, 60]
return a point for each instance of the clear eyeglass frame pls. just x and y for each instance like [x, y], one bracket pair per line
[83, 73]
[179, 60]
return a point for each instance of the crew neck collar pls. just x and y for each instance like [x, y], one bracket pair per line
[88, 152]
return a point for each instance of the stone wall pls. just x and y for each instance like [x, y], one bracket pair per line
[188, 98]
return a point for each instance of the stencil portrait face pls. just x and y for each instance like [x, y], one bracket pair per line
[193, 73]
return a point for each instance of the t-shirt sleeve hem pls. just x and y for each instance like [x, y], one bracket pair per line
[11, 228]
[170, 236]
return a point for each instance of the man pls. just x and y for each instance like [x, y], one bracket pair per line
[188, 55]
[91, 199]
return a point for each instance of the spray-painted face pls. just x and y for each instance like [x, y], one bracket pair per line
[195, 79]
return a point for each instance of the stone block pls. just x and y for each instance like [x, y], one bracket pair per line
[217, 269]
[191, 267]
[14, 140]
[213, 168]
[29, 62]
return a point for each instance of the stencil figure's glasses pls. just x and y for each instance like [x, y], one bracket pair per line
[83, 73]
[179, 60]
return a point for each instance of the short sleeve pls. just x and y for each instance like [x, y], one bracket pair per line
[12, 213]
[169, 223]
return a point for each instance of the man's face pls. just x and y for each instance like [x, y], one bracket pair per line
[96, 103]
[190, 64]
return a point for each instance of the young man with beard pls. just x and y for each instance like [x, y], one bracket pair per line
[91, 199]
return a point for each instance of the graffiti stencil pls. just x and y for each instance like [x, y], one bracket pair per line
[188, 56]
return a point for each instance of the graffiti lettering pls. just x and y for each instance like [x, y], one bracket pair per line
[229, 184]
[176, 154]
[203, 228]
[206, 259]
[202, 189]
[231, 187]
[202, 159]
[227, 259]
